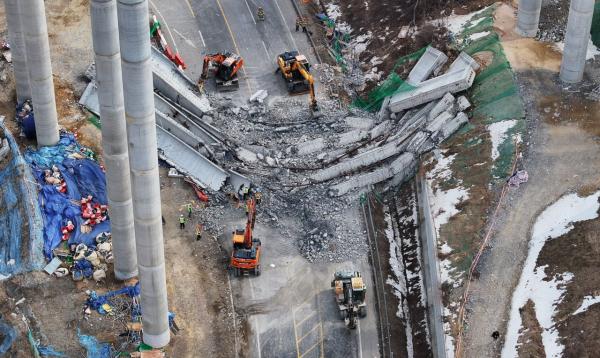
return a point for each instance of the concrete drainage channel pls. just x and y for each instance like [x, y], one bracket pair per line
[383, 326]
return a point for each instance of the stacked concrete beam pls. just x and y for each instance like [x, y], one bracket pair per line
[143, 161]
[429, 62]
[576, 40]
[14, 20]
[528, 17]
[40, 71]
[105, 36]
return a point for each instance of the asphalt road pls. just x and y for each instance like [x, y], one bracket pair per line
[291, 308]
[199, 27]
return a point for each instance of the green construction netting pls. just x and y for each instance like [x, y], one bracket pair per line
[391, 85]
[596, 25]
[496, 98]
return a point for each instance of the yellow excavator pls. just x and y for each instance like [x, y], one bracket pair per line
[295, 70]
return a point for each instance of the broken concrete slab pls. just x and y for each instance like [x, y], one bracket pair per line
[384, 111]
[431, 60]
[380, 129]
[187, 160]
[462, 103]
[360, 122]
[438, 122]
[442, 105]
[404, 165]
[259, 96]
[433, 89]
[360, 161]
[352, 137]
[308, 147]
[453, 125]
[463, 61]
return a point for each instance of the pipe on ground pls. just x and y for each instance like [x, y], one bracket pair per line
[577, 39]
[40, 71]
[105, 38]
[143, 161]
[16, 38]
[528, 17]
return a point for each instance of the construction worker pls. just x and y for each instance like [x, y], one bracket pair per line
[189, 210]
[198, 232]
[245, 192]
[257, 195]
[181, 222]
[302, 23]
[260, 13]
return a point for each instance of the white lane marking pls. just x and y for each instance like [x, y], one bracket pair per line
[360, 353]
[266, 51]
[285, 23]
[190, 7]
[187, 41]
[250, 11]
[202, 38]
[233, 309]
[164, 21]
[256, 323]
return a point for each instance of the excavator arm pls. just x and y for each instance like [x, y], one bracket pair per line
[311, 84]
[216, 58]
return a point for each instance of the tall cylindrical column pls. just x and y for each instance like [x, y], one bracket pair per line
[105, 38]
[528, 17]
[17, 47]
[35, 31]
[143, 160]
[576, 40]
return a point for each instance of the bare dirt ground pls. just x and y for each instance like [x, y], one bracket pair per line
[561, 155]
[195, 269]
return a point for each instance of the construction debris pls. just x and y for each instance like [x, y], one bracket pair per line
[433, 89]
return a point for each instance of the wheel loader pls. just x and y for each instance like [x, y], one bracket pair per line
[349, 291]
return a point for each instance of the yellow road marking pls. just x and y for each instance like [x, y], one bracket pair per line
[190, 7]
[322, 337]
[309, 332]
[234, 43]
[310, 349]
[296, 334]
[305, 318]
[302, 303]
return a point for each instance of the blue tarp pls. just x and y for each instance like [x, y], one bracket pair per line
[94, 348]
[8, 335]
[96, 301]
[21, 224]
[83, 177]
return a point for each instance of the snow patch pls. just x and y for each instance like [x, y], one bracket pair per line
[333, 11]
[587, 302]
[592, 50]
[555, 221]
[498, 132]
[443, 203]
[456, 23]
[399, 283]
[478, 35]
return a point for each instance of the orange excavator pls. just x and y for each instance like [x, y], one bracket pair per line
[295, 70]
[245, 257]
[226, 67]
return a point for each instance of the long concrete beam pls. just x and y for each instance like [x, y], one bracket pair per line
[14, 22]
[143, 161]
[528, 17]
[105, 38]
[577, 39]
[40, 71]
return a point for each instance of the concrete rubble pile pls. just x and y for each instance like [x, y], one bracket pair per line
[306, 166]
